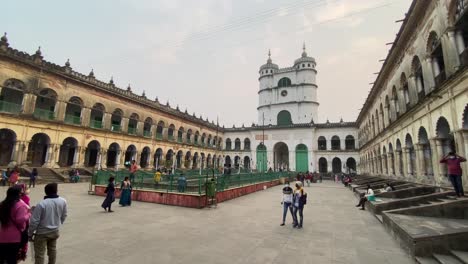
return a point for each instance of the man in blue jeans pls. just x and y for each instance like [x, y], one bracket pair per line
[287, 201]
[454, 171]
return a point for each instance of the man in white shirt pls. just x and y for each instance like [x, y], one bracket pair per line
[364, 199]
[47, 217]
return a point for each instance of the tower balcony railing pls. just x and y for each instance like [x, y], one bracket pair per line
[10, 107]
[43, 114]
[72, 119]
[132, 130]
[96, 124]
[115, 128]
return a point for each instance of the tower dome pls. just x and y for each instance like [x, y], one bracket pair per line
[269, 67]
[305, 61]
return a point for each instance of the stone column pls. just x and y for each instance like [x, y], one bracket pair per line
[405, 158]
[117, 159]
[398, 163]
[101, 162]
[29, 103]
[56, 156]
[77, 158]
[429, 74]
[384, 164]
[106, 121]
[441, 168]
[420, 164]
[460, 42]
[85, 116]
[60, 110]
[452, 53]
[124, 125]
[412, 92]
[24, 154]
[292, 160]
[390, 164]
[139, 128]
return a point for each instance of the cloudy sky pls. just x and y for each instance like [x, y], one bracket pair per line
[204, 55]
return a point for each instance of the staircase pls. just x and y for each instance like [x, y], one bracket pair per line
[46, 175]
[455, 257]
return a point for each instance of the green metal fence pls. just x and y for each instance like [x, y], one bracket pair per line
[9, 107]
[72, 119]
[191, 183]
[43, 114]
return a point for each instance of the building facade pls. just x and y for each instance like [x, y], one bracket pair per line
[417, 110]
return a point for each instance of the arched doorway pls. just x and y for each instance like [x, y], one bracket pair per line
[130, 155]
[426, 152]
[7, 143]
[38, 149]
[169, 156]
[92, 153]
[280, 156]
[227, 161]
[323, 165]
[209, 161]
[202, 160]
[188, 159]
[236, 162]
[246, 162]
[158, 155]
[336, 165]
[145, 157]
[284, 118]
[112, 154]
[411, 154]
[195, 160]
[261, 158]
[302, 158]
[179, 158]
[351, 165]
[67, 152]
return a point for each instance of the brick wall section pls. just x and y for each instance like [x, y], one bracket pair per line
[187, 200]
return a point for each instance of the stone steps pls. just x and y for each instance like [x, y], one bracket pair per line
[456, 257]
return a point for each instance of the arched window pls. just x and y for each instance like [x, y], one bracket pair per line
[116, 120]
[349, 142]
[284, 118]
[170, 132]
[396, 103]
[45, 104]
[147, 127]
[237, 144]
[405, 89]
[323, 165]
[159, 130]
[246, 144]
[284, 82]
[97, 116]
[228, 144]
[180, 135]
[418, 77]
[189, 136]
[335, 143]
[73, 111]
[133, 123]
[11, 96]
[322, 143]
[434, 50]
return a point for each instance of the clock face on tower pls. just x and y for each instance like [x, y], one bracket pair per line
[284, 93]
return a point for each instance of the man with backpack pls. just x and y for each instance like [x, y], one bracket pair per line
[299, 200]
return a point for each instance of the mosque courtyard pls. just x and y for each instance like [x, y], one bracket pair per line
[243, 230]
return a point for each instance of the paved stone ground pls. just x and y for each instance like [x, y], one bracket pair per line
[244, 230]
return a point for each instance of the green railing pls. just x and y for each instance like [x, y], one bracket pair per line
[72, 119]
[191, 183]
[96, 124]
[169, 137]
[132, 130]
[159, 136]
[115, 128]
[179, 139]
[146, 133]
[10, 107]
[43, 114]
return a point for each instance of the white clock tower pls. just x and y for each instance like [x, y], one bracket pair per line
[288, 95]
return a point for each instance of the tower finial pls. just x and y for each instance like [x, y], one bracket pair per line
[304, 53]
[269, 56]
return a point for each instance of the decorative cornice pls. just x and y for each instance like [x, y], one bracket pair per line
[66, 71]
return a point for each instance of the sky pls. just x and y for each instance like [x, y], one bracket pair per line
[204, 55]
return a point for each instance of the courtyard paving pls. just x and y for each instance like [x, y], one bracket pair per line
[243, 230]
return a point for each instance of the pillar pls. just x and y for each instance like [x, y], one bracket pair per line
[106, 121]
[390, 164]
[398, 164]
[420, 163]
[85, 116]
[452, 53]
[117, 159]
[440, 153]
[124, 124]
[139, 128]
[56, 156]
[429, 74]
[412, 92]
[101, 159]
[460, 42]
[29, 103]
[77, 157]
[405, 158]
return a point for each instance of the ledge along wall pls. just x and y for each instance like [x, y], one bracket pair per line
[187, 200]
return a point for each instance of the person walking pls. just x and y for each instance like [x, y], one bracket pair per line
[299, 200]
[133, 170]
[14, 217]
[366, 197]
[47, 217]
[126, 193]
[32, 178]
[455, 171]
[287, 201]
[110, 195]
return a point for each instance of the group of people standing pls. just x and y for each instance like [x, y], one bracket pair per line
[294, 201]
[308, 178]
[20, 223]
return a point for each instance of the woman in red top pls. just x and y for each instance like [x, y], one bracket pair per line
[454, 171]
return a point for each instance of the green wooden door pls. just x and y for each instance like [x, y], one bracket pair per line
[261, 158]
[302, 159]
